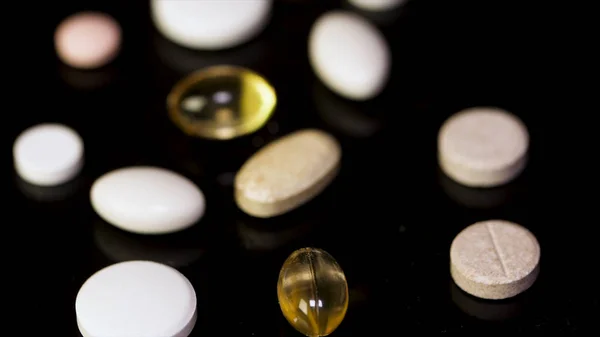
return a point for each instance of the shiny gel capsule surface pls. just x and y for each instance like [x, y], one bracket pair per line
[221, 102]
[312, 292]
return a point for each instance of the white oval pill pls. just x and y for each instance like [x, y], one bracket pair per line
[483, 147]
[48, 154]
[147, 200]
[287, 173]
[376, 5]
[120, 246]
[210, 24]
[136, 299]
[349, 55]
[343, 114]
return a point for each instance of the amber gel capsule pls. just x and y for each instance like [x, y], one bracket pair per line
[312, 292]
[221, 102]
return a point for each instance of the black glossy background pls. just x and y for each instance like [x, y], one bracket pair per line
[389, 218]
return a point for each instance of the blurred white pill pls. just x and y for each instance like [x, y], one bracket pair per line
[136, 299]
[48, 154]
[483, 147]
[210, 24]
[376, 5]
[349, 55]
[88, 40]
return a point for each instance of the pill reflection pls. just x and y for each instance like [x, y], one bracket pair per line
[299, 2]
[194, 158]
[119, 246]
[87, 79]
[380, 18]
[290, 229]
[257, 236]
[477, 198]
[184, 61]
[358, 295]
[488, 310]
[343, 115]
[49, 193]
[226, 179]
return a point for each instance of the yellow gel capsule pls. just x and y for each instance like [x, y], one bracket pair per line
[221, 102]
[312, 292]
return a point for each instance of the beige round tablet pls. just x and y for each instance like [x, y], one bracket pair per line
[483, 147]
[88, 40]
[494, 259]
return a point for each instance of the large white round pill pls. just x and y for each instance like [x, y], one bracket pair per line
[147, 200]
[210, 24]
[48, 154]
[376, 5]
[349, 55]
[483, 147]
[136, 299]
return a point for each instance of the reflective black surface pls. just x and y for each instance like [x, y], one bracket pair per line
[388, 219]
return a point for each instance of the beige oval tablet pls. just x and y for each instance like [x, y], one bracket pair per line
[287, 173]
[494, 259]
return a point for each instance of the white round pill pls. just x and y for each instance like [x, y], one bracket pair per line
[48, 154]
[483, 147]
[376, 5]
[136, 299]
[349, 55]
[210, 24]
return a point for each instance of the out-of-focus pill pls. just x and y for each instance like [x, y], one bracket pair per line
[483, 147]
[221, 102]
[287, 173]
[349, 55]
[344, 115]
[376, 5]
[88, 40]
[48, 154]
[210, 24]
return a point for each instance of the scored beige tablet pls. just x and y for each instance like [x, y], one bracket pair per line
[494, 259]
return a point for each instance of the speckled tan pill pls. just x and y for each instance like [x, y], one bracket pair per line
[483, 147]
[87, 40]
[287, 173]
[494, 259]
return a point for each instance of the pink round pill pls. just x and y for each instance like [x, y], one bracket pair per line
[88, 40]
